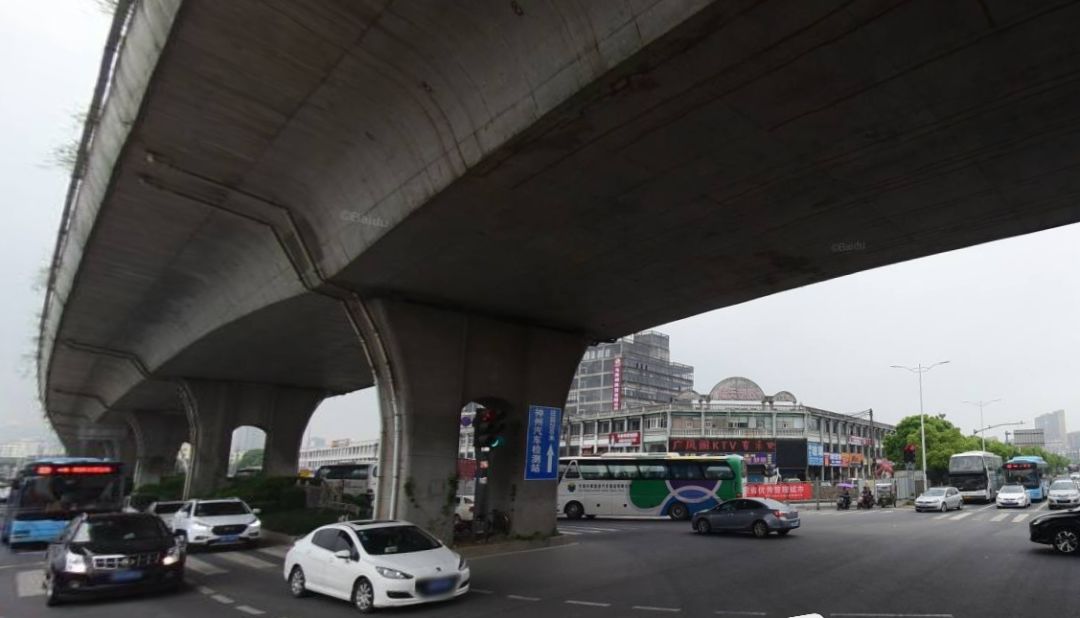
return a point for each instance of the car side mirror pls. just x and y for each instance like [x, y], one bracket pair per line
[344, 554]
[256, 511]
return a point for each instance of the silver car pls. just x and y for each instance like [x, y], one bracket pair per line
[939, 499]
[758, 515]
[1064, 494]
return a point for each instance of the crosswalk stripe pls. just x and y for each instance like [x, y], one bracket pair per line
[961, 516]
[1019, 518]
[999, 517]
[30, 583]
[942, 516]
[203, 567]
[246, 560]
[277, 551]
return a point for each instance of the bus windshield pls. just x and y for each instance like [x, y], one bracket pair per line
[971, 463]
[968, 482]
[43, 497]
[1028, 477]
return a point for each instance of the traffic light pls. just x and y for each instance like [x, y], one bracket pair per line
[909, 453]
[489, 428]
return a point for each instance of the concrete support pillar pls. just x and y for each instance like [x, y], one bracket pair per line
[158, 436]
[428, 364]
[214, 409]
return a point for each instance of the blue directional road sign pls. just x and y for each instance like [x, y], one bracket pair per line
[542, 443]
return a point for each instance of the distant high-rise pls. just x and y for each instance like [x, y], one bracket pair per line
[246, 438]
[633, 371]
[1054, 432]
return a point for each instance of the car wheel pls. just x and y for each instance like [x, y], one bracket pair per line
[783, 532]
[761, 529]
[52, 597]
[574, 510]
[297, 582]
[944, 508]
[1066, 540]
[702, 526]
[363, 596]
[679, 512]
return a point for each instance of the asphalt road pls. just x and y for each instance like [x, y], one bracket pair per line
[897, 563]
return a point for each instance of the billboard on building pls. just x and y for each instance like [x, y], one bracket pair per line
[624, 438]
[616, 384]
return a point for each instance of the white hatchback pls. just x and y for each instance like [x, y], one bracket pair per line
[1013, 496]
[375, 564]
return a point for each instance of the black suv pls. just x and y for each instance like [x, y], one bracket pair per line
[111, 552]
[1060, 530]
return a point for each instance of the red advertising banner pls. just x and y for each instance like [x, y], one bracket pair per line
[711, 445]
[784, 492]
[632, 438]
[616, 384]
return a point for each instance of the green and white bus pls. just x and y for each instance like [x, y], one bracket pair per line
[647, 484]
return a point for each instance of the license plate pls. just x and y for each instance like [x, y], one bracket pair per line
[795, 524]
[440, 585]
[125, 576]
[230, 538]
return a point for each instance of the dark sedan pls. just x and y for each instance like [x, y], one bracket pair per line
[111, 552]
[757, 515]
[1059, 530]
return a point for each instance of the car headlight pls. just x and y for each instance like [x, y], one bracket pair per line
[74, 563]
[171, 557]
[462, 564]
[392, 573]
[195, 523]
[255, 524]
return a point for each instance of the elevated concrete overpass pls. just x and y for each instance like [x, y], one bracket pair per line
[284, 201]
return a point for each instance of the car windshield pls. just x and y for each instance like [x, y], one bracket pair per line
[212, 509]
[1062, 486]
[395, 540]
[1012, 489]
[118, 529]
[163, 508]
[936, 491]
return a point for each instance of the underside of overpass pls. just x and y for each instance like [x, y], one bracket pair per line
[275, 190]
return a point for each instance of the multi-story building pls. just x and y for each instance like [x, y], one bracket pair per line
[1054, 431]
[631, 372]
[774, 432]
[339, 451]
[1029, 437]
[247, 438]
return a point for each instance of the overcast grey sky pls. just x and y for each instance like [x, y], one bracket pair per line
[1004, 314]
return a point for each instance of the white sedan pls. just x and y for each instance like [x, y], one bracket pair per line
[375, 564]
[939, 499]
[1013, 496]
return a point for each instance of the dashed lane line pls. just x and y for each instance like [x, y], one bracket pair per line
[866, 615]
[206, 590]
[481, 591]
[587, 603]
[651, 608]
[518, 597]
[738, 613]
[247, 560]
[30, 583]
[220, 598]
[247, 609]
[202, 567]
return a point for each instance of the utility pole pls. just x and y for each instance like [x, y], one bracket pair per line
[920, 370]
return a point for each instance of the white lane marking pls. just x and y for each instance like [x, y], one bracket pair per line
[999, 517]
[736, 613]
[942, 516]
[206, 590]
[247, 560]
[897, 615]
[30, 583]
[518, 597]
[524, 551]
[1019, 518]
[567, 533]
[593, 528]
[1044, 505]
[202, 567]
[961, 516]
[650, 608]
[587, 603]
[220, 598]
[481, 591]
[247, 609]
[278, 551]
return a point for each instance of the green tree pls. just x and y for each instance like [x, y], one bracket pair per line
[250, 459]
[943, 439]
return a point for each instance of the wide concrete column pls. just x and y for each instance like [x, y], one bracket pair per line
[214, 409]
[428, 364]
[158, 436]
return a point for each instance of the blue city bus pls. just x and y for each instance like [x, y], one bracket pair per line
[48, 493]
[1031, 472]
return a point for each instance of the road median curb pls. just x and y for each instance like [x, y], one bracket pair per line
[476, 551]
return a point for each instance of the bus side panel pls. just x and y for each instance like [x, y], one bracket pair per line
[648, 496]
[36, 530]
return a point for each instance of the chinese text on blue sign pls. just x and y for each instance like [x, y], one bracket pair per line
[542, 443]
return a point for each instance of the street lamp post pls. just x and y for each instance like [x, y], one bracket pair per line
[982, 423]
[982, 431]
[920, 370]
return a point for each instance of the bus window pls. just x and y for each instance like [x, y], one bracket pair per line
[572, 471]
[593, 470]
[652, 470]
[623, 470]
[684, 470]
[718, 471]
